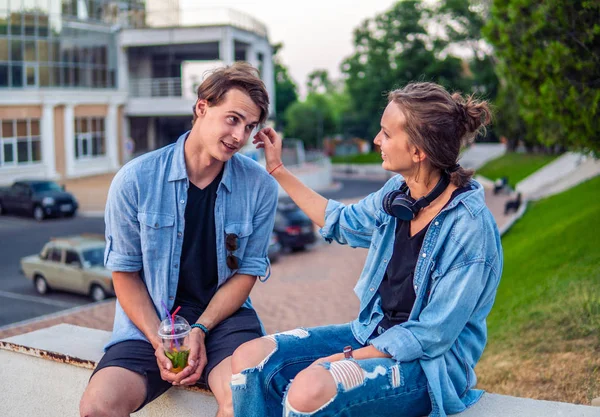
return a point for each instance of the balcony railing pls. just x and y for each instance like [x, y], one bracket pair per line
[155, 87]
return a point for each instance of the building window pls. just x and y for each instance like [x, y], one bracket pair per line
[20, 142]
[89, 137]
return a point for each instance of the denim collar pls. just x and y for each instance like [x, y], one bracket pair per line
[473, 200]
[178, 170]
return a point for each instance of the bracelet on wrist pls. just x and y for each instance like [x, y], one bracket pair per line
[201, 327]
[273, 170]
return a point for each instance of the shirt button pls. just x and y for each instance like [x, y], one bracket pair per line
[437, 223]
[155, 224]
[179, 234]
[176, 266]
[182, 201]
[371, 289]
[416, 287]
[385, 260]
[424, 255]
[171, 298]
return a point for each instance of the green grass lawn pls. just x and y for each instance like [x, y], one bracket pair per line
[366, 158]
[550, 287]
[515, 166]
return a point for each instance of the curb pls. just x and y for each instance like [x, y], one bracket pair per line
[50, 316]
[91, 213]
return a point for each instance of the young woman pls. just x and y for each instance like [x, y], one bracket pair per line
[428, 284]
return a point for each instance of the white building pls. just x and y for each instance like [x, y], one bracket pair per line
[83, 82]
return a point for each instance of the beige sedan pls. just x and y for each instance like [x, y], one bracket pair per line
[72, 264]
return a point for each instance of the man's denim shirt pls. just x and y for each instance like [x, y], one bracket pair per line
[455, 281]
[145, 224]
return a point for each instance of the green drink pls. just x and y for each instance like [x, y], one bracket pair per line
[175, 341]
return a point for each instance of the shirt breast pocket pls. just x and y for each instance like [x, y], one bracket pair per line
[156, 233]
[237, 242]
[380, 229]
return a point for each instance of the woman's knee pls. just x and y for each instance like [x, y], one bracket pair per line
[252, 354]
[310, 390]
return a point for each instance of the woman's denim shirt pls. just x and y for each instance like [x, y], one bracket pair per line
[145, 223]
[455, 280]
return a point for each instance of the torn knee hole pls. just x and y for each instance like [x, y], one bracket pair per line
[348, 374]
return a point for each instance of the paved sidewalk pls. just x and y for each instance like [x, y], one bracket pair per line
[305, 289]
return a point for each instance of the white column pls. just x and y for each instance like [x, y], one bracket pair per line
[47, 137]
[125, 135]
[252, 56]
[123, 68]
[69, 128]
[226, 51]
[112, 136]
[268, 77]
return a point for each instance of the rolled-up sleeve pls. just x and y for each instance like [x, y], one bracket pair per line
[123, 252]
[354, 224]
[438, 326]
[255, 261]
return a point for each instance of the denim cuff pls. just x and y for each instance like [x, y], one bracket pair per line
[400, 343]
[122, 263]
[254, 266]
[332, 216]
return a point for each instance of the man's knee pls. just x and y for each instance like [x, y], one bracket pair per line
[312, 389]
[112, 392]
[91, 405]
[252, 354]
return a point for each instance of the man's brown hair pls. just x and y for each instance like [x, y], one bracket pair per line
[240, 75]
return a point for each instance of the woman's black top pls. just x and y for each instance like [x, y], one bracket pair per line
[397, 288]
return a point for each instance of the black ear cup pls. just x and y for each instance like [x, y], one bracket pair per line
[400, 205]
[388, 199]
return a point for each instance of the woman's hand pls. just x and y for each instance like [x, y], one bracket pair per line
[367, 352]
[271, 142]
[331, 358]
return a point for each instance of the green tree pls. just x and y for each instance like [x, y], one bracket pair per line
[286, 91]
[549, 60]
[318, 82]
[416, 41]
[310, 120]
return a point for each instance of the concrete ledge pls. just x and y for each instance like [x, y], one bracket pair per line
[45, 372]
[494, 405]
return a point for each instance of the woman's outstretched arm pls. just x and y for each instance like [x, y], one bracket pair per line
[309, 201]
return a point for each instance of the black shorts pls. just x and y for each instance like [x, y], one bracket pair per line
[221, 342]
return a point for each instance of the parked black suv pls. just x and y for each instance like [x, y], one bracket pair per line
[38, 198]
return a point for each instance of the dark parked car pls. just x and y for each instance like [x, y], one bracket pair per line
[274, 248]
[293, 228]
[40, 199]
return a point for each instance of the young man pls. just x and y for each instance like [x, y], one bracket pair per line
[187, 225]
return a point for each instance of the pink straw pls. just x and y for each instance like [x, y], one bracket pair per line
[172, 319]
[173, 326]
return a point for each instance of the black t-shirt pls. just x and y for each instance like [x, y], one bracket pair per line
[198, 273]
[396, 290]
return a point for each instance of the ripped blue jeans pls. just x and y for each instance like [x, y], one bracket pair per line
[370, 387]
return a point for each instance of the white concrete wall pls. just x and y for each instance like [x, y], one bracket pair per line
[34, 384]
[559, 175]
[316, 175]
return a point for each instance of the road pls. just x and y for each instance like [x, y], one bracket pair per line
[21, 236]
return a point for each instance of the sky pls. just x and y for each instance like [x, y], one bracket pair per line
[316, 34]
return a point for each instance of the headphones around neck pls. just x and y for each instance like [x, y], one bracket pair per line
[399, 204]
